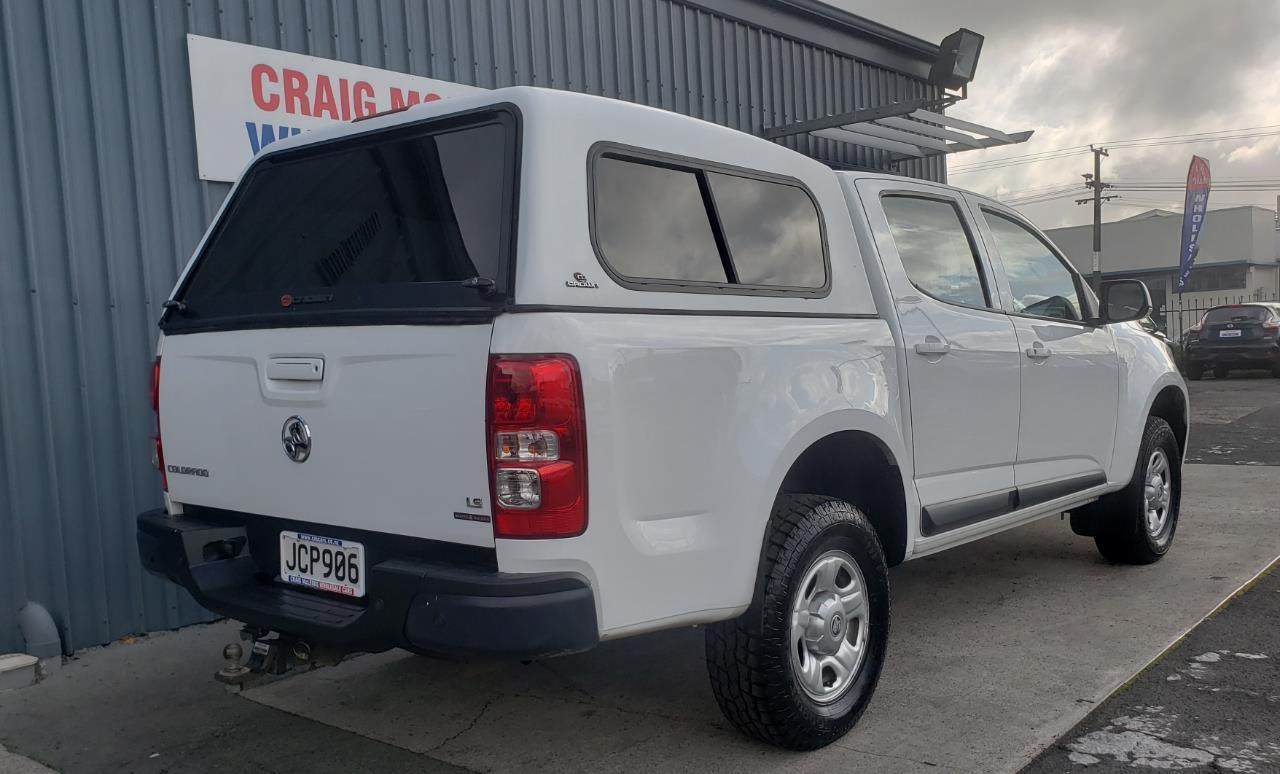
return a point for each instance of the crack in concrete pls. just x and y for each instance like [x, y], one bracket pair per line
[483, 709]
[905, 759]
[565, 680]
[598, 704]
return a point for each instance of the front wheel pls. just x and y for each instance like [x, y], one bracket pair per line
[1221, 372]
[1139, 521]
[798, 668]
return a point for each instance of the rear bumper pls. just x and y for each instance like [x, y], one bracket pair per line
[1255, 355]
[410, 602]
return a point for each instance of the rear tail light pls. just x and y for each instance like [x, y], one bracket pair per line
[1194, 330]
[1271, 326]
[157, 452]
[537, 437]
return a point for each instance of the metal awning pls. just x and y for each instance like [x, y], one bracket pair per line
[913, 129]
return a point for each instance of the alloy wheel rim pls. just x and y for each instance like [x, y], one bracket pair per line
[828, 630]
[1157, 492]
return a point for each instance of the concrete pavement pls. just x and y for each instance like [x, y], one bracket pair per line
[997, 649]
[150, 705]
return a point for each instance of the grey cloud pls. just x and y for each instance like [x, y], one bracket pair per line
[1091, 71]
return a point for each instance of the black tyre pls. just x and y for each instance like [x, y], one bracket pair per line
[1194, 372]
[1221, 372]
[1136, 524]
[798, 668]
[1275, 370]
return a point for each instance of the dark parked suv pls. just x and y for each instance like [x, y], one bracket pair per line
[1234, 336]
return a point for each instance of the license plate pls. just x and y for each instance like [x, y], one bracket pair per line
[1229, 334]
[322, 563]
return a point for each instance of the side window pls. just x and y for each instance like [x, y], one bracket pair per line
[1041, 284]
[670, 223]
[772, 231]
[935, 249]
[651, 222]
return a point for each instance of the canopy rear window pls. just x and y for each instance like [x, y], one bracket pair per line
[397, 226]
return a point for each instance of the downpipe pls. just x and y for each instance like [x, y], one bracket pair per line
[39, 631]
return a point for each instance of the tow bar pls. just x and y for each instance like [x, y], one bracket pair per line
[270, 656]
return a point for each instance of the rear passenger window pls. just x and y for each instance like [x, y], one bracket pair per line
[935, 249]
[659, 223]
[651, 223]
[772, 230]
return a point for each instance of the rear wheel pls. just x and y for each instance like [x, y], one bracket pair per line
[1195, 371]
[798, 668]
[1221, 372]
[1136, 524]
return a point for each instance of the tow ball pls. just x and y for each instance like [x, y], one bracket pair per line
[267, 656]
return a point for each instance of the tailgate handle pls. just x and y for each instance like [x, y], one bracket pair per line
[296, 369]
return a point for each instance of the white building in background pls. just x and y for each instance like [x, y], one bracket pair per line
[1239, 258]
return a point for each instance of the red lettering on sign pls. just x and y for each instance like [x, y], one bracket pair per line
[365, 103]
[324, 104]
[259, 76]
[295, 93]
[344, 96]
[431, 97]
[403, 99]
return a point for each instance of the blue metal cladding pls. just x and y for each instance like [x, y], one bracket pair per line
[100, 206]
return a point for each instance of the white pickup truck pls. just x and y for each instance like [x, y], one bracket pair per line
[516, 373]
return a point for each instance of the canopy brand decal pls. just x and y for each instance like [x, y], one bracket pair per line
[246, 97]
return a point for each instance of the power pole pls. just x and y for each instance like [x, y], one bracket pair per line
[1094, 181]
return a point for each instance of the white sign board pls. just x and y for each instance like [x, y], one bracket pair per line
[246, 97]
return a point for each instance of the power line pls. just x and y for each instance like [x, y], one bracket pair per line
[1021, 192]
[1036, 194]
[1042, 198]
[1225, 188]
[1002, 163]
[1222, 135]
[1195, 134]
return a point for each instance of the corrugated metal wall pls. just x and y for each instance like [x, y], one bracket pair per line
[100, 205]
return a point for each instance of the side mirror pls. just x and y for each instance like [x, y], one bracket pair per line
[1125, 300]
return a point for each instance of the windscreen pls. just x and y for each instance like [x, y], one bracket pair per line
[391, 223]
[1225, 314]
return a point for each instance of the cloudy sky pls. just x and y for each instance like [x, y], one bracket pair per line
[1092, 71]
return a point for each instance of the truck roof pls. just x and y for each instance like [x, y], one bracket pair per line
[583, 107]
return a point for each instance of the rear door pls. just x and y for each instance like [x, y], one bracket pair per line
[961, 351]
[327, 358]
[1070, 370]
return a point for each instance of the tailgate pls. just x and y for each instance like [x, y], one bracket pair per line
[395, 414]
[341, 305]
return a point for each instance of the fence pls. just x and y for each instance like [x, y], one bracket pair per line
[1178, 315]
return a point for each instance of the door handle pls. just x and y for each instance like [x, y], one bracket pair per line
[932, 345]
[1038, 351]
[296, 369]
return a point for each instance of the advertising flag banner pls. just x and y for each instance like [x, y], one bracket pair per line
[247, 97]
[1193, 212]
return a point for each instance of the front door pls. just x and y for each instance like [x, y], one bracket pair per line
[1070, 371]
[962, 355]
